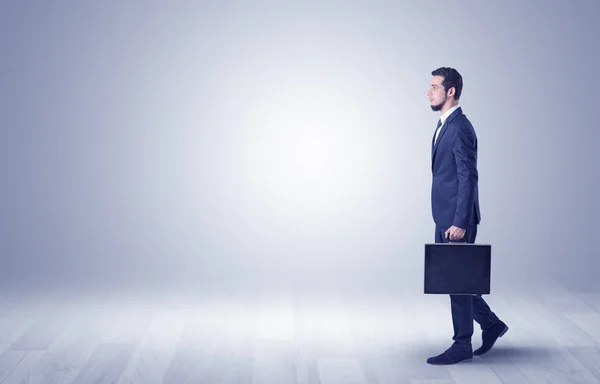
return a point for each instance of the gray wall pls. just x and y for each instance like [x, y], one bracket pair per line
[222, 143]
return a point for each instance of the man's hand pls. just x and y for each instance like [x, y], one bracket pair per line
[455, 233]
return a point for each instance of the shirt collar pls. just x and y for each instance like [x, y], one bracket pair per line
[448, 113]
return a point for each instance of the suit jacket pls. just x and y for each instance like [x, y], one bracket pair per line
[454, 192]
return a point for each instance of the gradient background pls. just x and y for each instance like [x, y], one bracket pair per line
[226, 145]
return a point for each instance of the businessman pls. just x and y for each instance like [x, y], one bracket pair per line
[455, 208]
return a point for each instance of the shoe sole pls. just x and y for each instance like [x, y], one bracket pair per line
[458, 362]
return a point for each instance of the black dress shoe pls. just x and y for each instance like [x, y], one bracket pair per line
[452, 355]
[490, 336]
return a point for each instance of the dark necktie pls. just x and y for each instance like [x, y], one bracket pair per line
[439, 124]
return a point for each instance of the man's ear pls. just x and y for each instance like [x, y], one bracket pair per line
[451, 91]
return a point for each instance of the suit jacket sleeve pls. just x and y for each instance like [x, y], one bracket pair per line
[465, 153]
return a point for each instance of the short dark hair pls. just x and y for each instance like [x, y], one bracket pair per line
[451, 79]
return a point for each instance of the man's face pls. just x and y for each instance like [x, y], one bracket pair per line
[436, 93]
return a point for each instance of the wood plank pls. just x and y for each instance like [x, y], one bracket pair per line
[233, 330]
[9, 361]
[475, 372]
[272, 326]
[273, 317]
[124, 323]
[274, 362]
[14, 324]
[547, 321]
[591, 299]
[106, 364]
[505, 370]
[340, 371]
[65, 358]
[189, 365]
[555, 302]
[558, 298]
[43, 332]
[307, 370]
[588, 358]
[327, 327]
[538, 356]
[377, 364]
[155, 351]
[232, 362]
[21, 373]
[193, 354]
[588, 322]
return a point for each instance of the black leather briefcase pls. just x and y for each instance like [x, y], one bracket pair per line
[457, 268]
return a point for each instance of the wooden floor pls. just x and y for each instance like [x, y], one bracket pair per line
[283, 337]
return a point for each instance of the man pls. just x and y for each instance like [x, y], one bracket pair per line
[455, 208]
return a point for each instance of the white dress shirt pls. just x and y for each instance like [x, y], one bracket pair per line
[443, 120]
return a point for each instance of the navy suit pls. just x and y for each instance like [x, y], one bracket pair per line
[455, 201]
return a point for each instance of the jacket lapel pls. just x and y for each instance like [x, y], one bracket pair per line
[456, 112]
